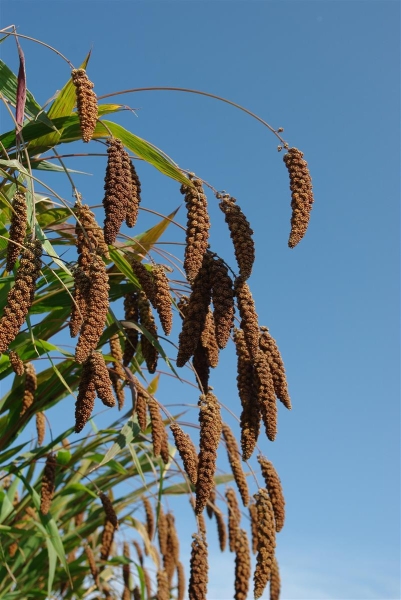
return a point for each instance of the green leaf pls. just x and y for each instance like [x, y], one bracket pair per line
[50, 249]
[145, 241]
[126, 435]
[8, 87]
[52, 566]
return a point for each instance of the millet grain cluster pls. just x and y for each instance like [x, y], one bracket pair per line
[17, 229]
[301, 194]
[86, 103]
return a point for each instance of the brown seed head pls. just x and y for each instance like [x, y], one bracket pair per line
[180, 581]
[210, 432]
[273, 485]
[199, 518]
[98, 306]
[139, 552]
[249, 323]
[131, 335]
[135, 200]
[17, 229]
[126, 569]
[150, 519]
[145, 279]
[195, 314]
[250, 416]
[141, 404]
[171, 558]
[301, 194]
[209, 342]
[235, 463]
[20, 297]
[146, 318]
[92, 564]
[266, 395]
[276, 365]
[242, 565]
[187, 452]
[163, 592]
[266, 542]
[89, 235]
[80, 295]
[198, 225]
[117, 373]
[234, 518]
[275, 583]
[86, 103]
[48, 485]
[241, 235]
[136, 593]
[101, 379]
[118, 189]
[221, 529]
[86, 397]
[29, 388]
[162, 298]
[197, 589]
[109, 510]
[201, 365]
[162, 531]
[16, 363]
[211, 503]
[40, 427]
[107, 539]
[253, 514]
[223, 301]
[159, 434]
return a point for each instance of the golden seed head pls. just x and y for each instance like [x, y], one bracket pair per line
[266, 395]
[162, 531]
[253, 514]
[208, 340]
[273, 486]
[187, 452]
[107, 539]
[85, 399]
[266, 541]
[269, 347]
[40, 427]
[29, 387]
[235, 463]
[117, 373]
[86, 103]
[135, 200]
[180, 581]
[301, 194]
[163, 592]
[131, 311]
[242, 565]
[234, 518]
[247, 311]
[16, 363]
[109, 510]
[275, 583]
[162, 298]
[241, 235]
[80, 296]
[221, 529]
[147, 320]
[150, 519]
[223, 301]
[17, 229]
[101, 379]
[92, 563]
[89, 235]
[159, 434]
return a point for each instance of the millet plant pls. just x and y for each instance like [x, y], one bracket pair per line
[70, 525]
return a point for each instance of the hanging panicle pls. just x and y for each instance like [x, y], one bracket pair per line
[131, 313]
[242, 565]
[16, 363]
[187, 452]
[241, 234]
[30, 386]
[269, 347]
[197, 589]
[235, 463]
[266, 542]
[86, 103]
[86, 397]
[273, 485]
[162, 298]
[17, 229]
[223, 301]
[198, 225]
[118, 189]
[147, 320]
[301, 194]
[48, 484]
[135, 200]
[234, 518]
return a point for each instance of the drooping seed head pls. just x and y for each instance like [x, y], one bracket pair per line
[17, 229]
[198, 225]
[242, 565]
[187, 452]
[241, 235]
[301, 194]
[48, 484]
[197, 589]
[273, 486]
[235, 463]
[269, 347]
[86, 103]
[118, 189]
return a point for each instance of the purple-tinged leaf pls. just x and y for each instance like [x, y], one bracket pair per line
[21, 90]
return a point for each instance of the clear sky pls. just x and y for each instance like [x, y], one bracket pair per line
[329, 73]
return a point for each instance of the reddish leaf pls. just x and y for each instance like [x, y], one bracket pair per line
[21, 90]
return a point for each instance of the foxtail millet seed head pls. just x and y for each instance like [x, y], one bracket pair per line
[197, 588]
[163, 592]
[131, 313]
[187, 452]
[241, 235]
[234, 518]
[266, 542]
[147, 320]
[301, 194]
[135, 200]
[16, 363]
[273, 486]
[235, 463]
[211, 503]
[21, 296]
[269, 346]
[275, 583]
[141, 405]
[150, 519]
[200, 519]
[210, 432]
[117, 373]
[89, 235]
[48, 484]
[253, 515]
[242, 565]
[86, 103]
[197, 231]
[101, 379]
[92, 564]
[266, 395]
[139, 552]
[221, 529]
[195, 313]
[98, 306]
[145, 279]
[162, 298]
[80, 300]
[208, 340]
[126, 569]
[107, 539]
[171, 558]
[249, 317]
[250, 415]
[200, 363]
[17, 229]
[180, 581]
[159, 435]
[162, 531]
[109, 510]
[86, 397]
[118, 189]
[223, 301]
[29, 387]
[40, 427]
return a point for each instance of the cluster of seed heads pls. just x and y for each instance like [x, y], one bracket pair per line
[301, 194]
[86, 103]
[16, 363]
[95, 380]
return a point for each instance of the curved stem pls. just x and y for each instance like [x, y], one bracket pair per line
[27, 37]
[191, 91]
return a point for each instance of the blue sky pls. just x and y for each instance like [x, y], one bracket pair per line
[329, 73]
